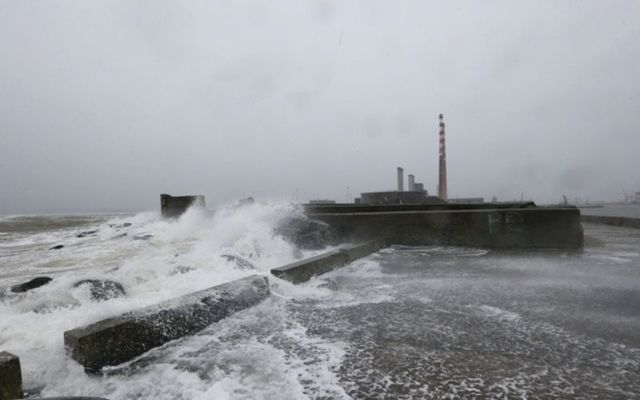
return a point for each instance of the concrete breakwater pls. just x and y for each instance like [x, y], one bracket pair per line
[303, 270]
[122, 338]
[527, 227]
[119, 339]
[615, 221]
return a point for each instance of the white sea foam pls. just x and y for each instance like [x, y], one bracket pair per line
[181, 256]
[499, 313]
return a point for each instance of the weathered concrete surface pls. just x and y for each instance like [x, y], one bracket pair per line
[303, 270]
[174, 206]
[492, 228]
[10, 377]
[119, 339]
[311, 209]
[616, 221]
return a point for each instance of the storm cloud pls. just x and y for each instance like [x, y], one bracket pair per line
[106, 104]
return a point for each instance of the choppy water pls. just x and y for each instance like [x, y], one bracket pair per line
[614, 210]
[406, 322]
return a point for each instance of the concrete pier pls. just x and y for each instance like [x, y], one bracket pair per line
[10, 377]
[303, 270]
[119, 339]
[531, 227]
[174, 206]
[615, 221]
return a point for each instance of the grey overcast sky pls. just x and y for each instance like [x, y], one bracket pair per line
[106, 104]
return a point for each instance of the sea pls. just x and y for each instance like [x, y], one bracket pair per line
[433, 322]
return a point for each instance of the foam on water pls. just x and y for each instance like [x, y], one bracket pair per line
[179, 257]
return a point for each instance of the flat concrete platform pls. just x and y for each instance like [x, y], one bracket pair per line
[115, 340]
[528, 227]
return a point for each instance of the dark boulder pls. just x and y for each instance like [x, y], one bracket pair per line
[102, 290]
[142, 237]
[32, 284]
[304, 232]
[87, 233]
[57, 247]
[245, 202]
[181, 269]
[239, 261]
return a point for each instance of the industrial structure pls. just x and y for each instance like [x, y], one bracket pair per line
[442, 177]
[414, 195]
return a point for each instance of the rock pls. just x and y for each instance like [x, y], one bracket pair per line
[304, 232]
[142, 237]
[102, 290]
[245, 202]
[119, 236]
[32, 284]
[87, 233]
[239, 261]
[125, 225]
[10, 376]
[181, 269]
[69, 398]
[57, 247]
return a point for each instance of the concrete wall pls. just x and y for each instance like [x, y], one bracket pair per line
[174, 206]
[10, 377]
[303, 270]
[492, 228]
[441, 206]
[616, 221]
[119, 339]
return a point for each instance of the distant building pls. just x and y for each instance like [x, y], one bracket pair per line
[395, 197]
[467, 200]
[322, 201]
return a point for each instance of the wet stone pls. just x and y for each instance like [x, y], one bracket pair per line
[102, 290]
[32, 284]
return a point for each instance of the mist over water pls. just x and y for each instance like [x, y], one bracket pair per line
[406, 322]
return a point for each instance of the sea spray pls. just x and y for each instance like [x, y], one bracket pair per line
[179, 257]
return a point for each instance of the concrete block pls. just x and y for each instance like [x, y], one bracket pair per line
[115, 340]
[303, 270]
[10, 377]
[175, 206]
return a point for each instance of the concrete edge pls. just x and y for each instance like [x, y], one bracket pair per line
[614, 221]
[303, 270]
[10, 376]
[118, 339]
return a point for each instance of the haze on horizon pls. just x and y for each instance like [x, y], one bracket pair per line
[106, 104]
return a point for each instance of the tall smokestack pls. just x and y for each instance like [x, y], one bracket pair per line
[412, 183]
[400, 179]
[442, 180]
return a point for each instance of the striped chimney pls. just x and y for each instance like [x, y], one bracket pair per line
[442, 179]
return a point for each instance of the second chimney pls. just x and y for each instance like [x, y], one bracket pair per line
[400, 179]
[412, 183]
